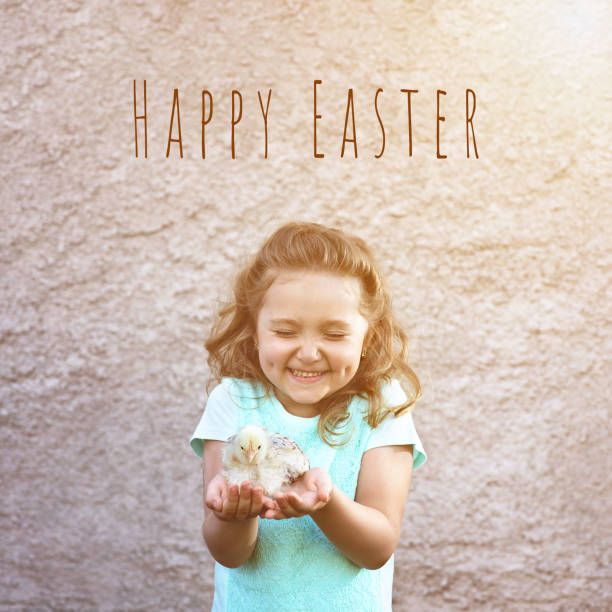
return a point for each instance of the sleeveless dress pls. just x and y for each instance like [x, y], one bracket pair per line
[294, 566]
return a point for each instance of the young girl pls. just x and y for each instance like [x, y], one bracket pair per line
[309, 348]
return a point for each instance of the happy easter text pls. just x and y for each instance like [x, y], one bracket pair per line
[349, 141]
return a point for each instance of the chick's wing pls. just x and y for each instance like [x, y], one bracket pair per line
[286, 455]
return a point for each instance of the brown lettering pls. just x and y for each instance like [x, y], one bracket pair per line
[235, 120]
[439, 118]
[409, 92]
[265, 116]
[205, 122]
[318, 155]
[349, 105]
[382, 127]
[175, 104]
[136, 117]
[468, 120]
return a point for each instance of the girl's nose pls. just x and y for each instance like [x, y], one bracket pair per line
[309, 351]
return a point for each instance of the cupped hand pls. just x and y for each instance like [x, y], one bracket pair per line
[306, 495]
[236, 503]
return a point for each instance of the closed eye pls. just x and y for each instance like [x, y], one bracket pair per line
[284, 333]
[336, 335]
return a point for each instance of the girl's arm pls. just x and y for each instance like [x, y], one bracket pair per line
[366, 529]
[230, 513]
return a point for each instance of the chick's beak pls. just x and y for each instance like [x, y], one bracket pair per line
[251, 452]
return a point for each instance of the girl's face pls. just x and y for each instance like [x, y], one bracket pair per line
[310, 336]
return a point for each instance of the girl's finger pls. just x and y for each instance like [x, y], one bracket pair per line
[322, 495]
[231, 503]
[269, 503]
[214, 493]
[271, 514]
[244, 501]
[256, 501]
[270, 508]
[215, 504]
[281, 501]
[296, 503]
[287, 506]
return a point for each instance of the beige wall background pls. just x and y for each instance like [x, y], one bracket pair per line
[111, 267]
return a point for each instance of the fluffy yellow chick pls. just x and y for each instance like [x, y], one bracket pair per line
[266, 460]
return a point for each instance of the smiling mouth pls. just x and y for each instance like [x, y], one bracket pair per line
[305, 374]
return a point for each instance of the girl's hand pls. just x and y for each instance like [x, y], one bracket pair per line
[306, 495]
[236, 503]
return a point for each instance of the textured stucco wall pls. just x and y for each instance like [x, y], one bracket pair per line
[110, 268]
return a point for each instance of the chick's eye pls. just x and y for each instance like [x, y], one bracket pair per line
[259, 447]
[241, 447]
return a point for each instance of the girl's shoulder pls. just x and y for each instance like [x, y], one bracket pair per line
[392, 395]
[392, 429]
[221, 417]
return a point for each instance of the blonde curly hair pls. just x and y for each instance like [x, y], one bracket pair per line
[232, 349]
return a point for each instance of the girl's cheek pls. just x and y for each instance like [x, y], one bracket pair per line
[278, 346]
[276, 350]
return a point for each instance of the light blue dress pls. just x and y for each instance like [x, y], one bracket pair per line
[294, 566]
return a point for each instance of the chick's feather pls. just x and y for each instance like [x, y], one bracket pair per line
[266, 460]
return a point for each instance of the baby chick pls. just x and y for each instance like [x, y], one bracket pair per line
[266, 460]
